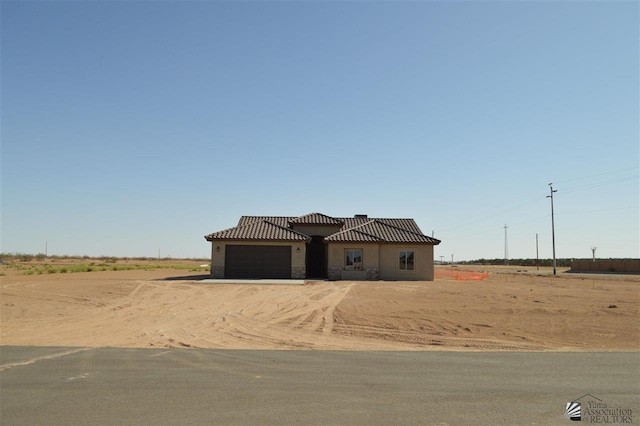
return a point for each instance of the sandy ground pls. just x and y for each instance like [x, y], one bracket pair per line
[510, 310]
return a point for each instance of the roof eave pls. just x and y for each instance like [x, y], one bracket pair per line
[266, 240]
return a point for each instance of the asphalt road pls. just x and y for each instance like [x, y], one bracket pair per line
[56, 386]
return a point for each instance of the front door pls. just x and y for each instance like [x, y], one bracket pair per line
[316, 258]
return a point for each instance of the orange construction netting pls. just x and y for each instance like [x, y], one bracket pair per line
[461, 275]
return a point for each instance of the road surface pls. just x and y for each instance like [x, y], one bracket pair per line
[58, 385]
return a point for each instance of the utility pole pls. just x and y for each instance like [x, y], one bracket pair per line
[46, 248]
[442, 260]
[593, 249]
[506, 246]
[452, 259]
[553, 228]
[537, 259]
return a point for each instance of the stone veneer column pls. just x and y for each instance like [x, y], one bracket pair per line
[298, 272]
[373, 274]
[217, 272]
[334, 273]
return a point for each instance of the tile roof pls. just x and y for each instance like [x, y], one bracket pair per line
[354, 229]
[276, 220]
[408, 224]
[349, 222]
[262, 230]
[353, 235]
[316, 219]
[376, 230]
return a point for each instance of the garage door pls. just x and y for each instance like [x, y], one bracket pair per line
[257, 262]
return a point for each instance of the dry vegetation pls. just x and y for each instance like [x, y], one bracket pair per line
[25, 264]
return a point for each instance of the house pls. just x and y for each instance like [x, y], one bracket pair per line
[320, 246]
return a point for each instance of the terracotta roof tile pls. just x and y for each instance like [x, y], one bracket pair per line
[349, 222]
[277, 220]
[262, 230]
[354, 229]
[316, 219]
[353, 235]
[408, 224]
[376, 230]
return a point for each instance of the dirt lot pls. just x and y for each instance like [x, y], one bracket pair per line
[509, 310]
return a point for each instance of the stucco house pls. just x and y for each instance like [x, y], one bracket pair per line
[320, 246]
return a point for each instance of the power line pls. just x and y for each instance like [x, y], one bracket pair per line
[499, 210]
[596, 185]
[531, 220]
[462, 224]
[597, 211]
[598, 175]
[585, 243]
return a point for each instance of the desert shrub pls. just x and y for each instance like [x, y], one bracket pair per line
[30, 268]
[81, 268]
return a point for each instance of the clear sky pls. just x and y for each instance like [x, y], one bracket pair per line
[130, 128]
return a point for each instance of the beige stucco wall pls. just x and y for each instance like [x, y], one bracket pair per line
[423, 262]
[383, 259]
[336, 254]
[298, 260]
[379, 260]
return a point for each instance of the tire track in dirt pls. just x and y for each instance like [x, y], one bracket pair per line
[440, 315]
[243, 316]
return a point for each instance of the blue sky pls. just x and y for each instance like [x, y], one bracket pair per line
[130, 128]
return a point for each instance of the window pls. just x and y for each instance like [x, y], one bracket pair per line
[405, 259]
[353, 259]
